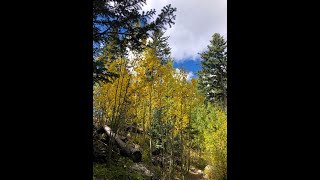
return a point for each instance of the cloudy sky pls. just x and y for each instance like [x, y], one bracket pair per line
[196, 21]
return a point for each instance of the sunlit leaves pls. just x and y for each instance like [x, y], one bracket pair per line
[159, 99]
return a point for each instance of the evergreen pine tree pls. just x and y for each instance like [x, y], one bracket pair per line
[213, 76]
[161, 46]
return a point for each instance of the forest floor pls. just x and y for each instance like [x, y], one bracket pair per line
[124, 168]
[195, 175]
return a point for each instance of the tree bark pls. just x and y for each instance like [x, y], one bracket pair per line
[130, 152]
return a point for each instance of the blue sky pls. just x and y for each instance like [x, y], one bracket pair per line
[195, 23]
[189, 65]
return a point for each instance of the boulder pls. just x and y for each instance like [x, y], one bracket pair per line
[200, 172]
[139, 167]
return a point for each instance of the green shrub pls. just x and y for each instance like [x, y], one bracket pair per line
[114, 172]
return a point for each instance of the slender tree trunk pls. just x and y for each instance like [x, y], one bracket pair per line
[182, 155]
[150, 118]
[172, 157]
[144, 119]
[181, 139]
[189, 138]
[150, 146]
[114, 114]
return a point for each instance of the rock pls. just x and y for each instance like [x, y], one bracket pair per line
[141, 169]
[192, 168]
[200, 172]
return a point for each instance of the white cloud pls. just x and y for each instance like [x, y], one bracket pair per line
[189, 75]
[196, 21]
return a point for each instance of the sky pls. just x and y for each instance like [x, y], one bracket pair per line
[196, 21]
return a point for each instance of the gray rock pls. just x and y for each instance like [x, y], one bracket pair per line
[139, 167]
[200, 172]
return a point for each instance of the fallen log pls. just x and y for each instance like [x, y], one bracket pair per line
[134, 154]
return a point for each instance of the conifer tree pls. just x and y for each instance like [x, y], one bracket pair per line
[161, 46]
[120, 23]
[213, 76]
